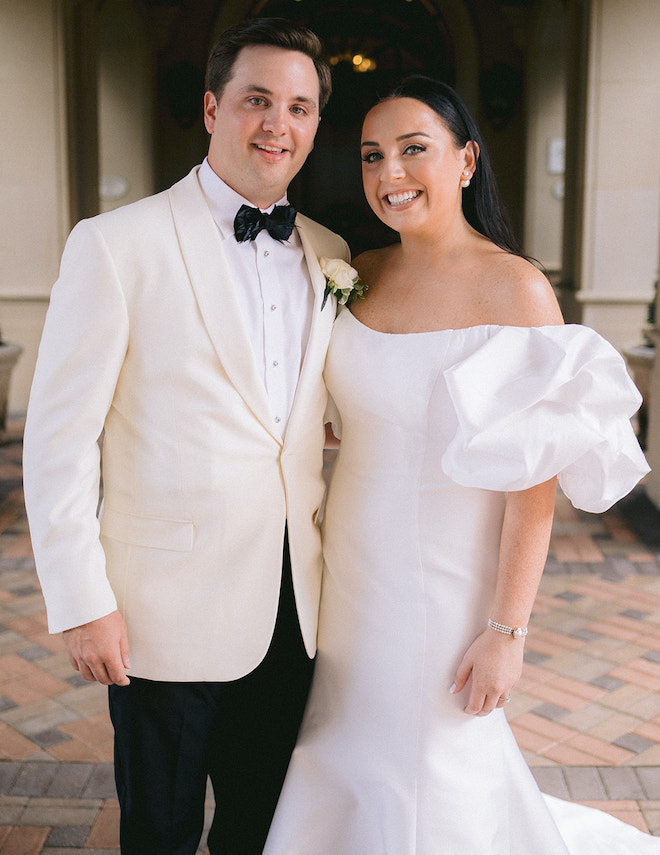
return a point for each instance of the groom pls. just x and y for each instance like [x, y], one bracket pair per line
[197, 355]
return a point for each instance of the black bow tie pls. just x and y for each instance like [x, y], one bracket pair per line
[250, 221]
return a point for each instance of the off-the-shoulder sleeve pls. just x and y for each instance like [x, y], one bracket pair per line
[536, 402]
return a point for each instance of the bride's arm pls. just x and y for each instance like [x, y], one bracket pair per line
[494, 660]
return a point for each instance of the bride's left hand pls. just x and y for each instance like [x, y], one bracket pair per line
[494, 662]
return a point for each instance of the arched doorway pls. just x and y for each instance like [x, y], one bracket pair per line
[370, 47]
[471, 48]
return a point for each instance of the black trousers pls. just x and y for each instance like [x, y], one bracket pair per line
[170, 737]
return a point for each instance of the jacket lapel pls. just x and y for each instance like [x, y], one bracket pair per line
[319, 335]
[203, 255]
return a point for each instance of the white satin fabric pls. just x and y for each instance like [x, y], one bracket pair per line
[535, 402]
[435, 428]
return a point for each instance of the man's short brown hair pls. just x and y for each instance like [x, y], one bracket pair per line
[277, 32]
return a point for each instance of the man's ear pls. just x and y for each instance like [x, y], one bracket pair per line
[210, 111]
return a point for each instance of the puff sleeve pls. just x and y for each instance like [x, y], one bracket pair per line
[532, 403]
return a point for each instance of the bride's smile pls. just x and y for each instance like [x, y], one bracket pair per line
[396, 200]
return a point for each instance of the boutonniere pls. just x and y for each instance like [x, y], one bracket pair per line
[342, 280]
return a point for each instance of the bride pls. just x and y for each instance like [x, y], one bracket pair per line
[460, 398]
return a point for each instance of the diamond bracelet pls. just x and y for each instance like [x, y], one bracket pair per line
[513, 631]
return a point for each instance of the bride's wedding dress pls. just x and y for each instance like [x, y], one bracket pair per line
[436, 428]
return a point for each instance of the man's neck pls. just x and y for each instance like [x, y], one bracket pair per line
[261, 202]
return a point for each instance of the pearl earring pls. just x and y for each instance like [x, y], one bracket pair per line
[466, 180]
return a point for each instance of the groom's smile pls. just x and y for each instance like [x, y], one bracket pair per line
[270, 152]
[270, 148]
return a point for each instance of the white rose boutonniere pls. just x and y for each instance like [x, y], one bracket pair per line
[342, 280]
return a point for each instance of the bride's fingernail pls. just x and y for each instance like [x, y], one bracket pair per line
[452, 691]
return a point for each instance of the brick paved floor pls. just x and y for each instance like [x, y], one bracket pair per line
[586, 712]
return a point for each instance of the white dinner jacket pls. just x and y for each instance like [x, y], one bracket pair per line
[145, 343]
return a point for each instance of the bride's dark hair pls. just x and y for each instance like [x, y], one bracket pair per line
[482, 206]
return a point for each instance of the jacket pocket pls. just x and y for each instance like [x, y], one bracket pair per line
[152, 532]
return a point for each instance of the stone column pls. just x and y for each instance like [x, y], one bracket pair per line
[613, 184]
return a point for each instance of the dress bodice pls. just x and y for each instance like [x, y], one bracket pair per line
[493, 407]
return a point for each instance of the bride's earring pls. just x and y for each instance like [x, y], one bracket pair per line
[466, 179]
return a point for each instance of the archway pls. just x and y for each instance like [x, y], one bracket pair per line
[370, 46]
[475, 49]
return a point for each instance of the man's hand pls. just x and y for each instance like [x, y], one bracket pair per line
[99, 650]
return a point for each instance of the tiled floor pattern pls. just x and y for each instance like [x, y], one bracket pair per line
[586, 712]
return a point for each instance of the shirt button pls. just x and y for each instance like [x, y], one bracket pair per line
[266, 254]
[275, 363]
[277, 419]
[273, 307]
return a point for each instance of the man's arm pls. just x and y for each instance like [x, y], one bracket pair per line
[81, 353]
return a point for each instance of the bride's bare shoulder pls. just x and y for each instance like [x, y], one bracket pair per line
[369, 264]
[518, 293]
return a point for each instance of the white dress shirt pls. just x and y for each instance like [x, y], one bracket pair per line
[274, 291]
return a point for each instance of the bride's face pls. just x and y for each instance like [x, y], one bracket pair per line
[411, 167]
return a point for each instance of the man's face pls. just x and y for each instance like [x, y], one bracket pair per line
[263, 126]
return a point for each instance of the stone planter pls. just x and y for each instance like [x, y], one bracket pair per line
[9, 354]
